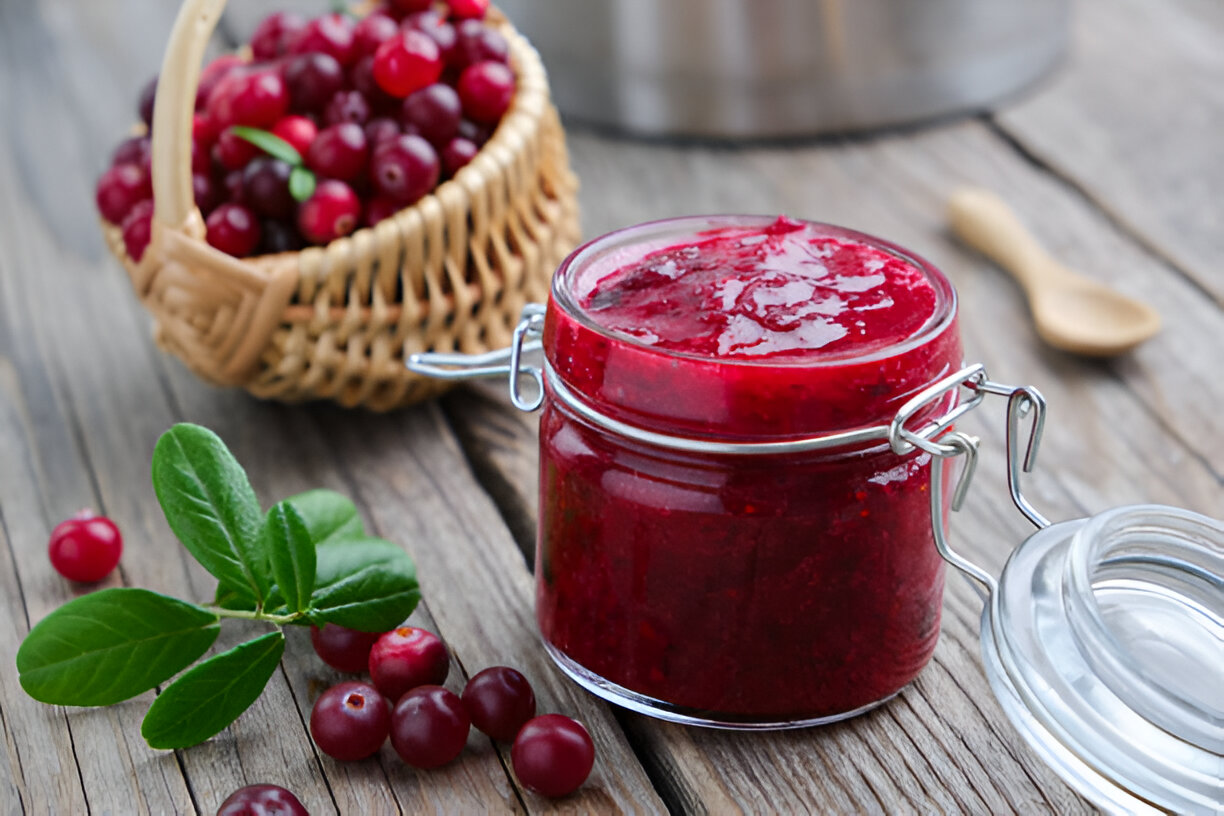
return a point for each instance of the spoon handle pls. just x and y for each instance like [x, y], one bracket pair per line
[984, 221]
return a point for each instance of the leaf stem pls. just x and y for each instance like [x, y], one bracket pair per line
[247, 614]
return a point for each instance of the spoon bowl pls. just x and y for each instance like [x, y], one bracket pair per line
[1071, 312]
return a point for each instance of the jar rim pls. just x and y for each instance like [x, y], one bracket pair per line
[945, 312]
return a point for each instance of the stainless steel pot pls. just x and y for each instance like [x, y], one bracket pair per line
[766, 68]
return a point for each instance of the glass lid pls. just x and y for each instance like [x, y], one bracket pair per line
[1104, 643]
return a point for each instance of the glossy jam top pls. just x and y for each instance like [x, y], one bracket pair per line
[788, 291]
[746, 327]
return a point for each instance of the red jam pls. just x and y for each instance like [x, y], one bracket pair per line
[725, 587]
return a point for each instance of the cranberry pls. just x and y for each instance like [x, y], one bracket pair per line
[350, 721]
[410, 6]
[478, 134]
[234, 190]
[457, 153]
[380, 130]
[552, 755]
[405, 658]
[344, 649]
[429, 727]
[298, 131]
[499, 700]
[232, 228]
[432, 112]
[272, 35]
[339, 151]
[331, 212]
[404, 168]
[406, 62]
[361, 75]
[147, 95]
[486, 89]
[373, 31]
[258, 99]
[470, 9]
[133, 150]
[313, 79]
[205, 193]
[138, 229]
[331, 34]
[476, 42]
[262, 800]
[85, 547]
[211, 76]
[380, 208]
[232, 151]
[201, 154]
[120, 188]
[266, 182]
[434, 26]
[347, 106]
[279, 236]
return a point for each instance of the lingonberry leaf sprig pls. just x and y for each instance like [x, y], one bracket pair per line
[306, 561]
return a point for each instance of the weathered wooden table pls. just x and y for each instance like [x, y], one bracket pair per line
[1116, 162]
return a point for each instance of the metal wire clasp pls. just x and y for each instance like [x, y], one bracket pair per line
[508, 361]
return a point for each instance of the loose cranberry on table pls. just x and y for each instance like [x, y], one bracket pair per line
[350, 721]
[486, 90]
[262, 800]
[331, 34]
[234, 229]
[85, 547]
[332, 211]
[120, 188]
[407, 62]
[404, 168]
[312, 79]
[429, 727]
[137, 228]
[271, 37]
[344, 649]
[499, 700]
[552, 755]
[407, 657]
[339, 151]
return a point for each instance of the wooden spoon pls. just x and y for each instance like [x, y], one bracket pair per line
[1071, 312]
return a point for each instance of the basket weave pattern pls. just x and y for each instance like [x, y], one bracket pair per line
[451, 272]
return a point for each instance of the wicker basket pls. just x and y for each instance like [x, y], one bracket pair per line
[451, 272]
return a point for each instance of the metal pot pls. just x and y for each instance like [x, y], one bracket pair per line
[774, 68]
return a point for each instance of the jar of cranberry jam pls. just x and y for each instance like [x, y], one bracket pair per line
[698, 556]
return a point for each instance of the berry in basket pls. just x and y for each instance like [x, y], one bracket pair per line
[330, 124]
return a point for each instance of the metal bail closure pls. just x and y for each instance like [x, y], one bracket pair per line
[500, 362]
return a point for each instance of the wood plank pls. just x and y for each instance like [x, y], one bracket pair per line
[1133, 119]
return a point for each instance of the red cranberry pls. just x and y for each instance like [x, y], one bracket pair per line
[331, 34]
[379, 130]
[429, 727]
[211, 76]
[272, 35]
[201, 154]
[477, 133]
[373, 31]
[232, 228]
[347, 106]
[404, 168]
[266, 182]
[257, 99]
[405, 658]
[380, 208]
[486, 89]
[552, 755]
[410, 6]
[279, 236]
[232, 151]
[350, 721]
[432, 112]
[119, 189]
[339, 151]
[331, 212]
[205, 193]
[138, 229]
[298, 131]
[457, 153]
[476, 42]
[433, 25]
[406, 62]
[344, 649]
[85, 547]
[262, 800]
[203, 134]
[147, 95]
[133, 150]
[313, 79]
[499, 700]
[470, 9]
[234, 191]
[361, 76]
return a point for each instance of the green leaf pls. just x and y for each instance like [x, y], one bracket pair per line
[301, 184]
[111, 645]
[228, 596]
[211, 506]
[212, 695]
[329, 516]
[270, 143]
[292, 553]
[366, 584]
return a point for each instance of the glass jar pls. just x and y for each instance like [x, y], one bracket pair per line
[689, 564]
